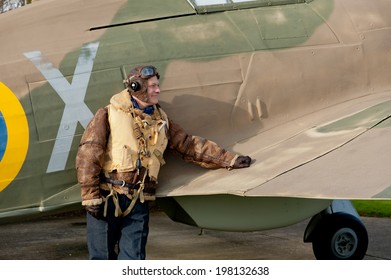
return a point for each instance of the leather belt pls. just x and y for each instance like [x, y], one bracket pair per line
[122, 183]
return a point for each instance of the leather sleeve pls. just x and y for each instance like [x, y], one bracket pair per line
[90, 157]
[199, 150]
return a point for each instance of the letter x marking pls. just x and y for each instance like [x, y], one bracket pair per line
[73, 96]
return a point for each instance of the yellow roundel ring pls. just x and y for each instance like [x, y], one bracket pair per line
[16, 136]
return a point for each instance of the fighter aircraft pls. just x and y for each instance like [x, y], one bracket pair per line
[301, 86]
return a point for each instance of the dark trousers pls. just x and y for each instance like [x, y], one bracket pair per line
[123, 238]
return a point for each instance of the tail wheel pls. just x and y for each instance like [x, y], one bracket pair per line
[340, 236]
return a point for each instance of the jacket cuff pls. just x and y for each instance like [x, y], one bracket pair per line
[96, 201]
[231, 165]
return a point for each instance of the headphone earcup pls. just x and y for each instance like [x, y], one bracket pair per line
[135, 86]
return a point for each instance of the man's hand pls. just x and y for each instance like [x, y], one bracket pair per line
[95, 210]
[241, 162]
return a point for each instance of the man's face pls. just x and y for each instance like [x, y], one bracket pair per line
[153, 91]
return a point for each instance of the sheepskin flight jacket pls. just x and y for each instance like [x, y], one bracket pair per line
[91, 156]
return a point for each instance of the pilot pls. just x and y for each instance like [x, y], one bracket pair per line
[118, 163]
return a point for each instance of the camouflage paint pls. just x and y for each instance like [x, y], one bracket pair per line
[197, 39]
[237, 46]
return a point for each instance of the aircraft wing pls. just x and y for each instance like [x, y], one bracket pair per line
[346, 157]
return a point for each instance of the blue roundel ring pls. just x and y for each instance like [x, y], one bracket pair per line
[3, 136]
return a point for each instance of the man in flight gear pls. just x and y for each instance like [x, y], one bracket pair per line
[118, 163]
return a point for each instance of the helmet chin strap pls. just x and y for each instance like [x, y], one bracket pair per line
[141, 97]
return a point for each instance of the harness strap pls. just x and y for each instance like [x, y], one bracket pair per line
[114, 195]
[139, 194]
[121, 183]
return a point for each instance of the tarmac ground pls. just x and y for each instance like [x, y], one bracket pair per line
[63, 237]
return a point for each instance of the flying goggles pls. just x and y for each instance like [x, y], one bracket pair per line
[149, 71]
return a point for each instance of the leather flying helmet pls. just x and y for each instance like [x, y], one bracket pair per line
[137, 81]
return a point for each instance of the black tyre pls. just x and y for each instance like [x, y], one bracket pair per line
[340, 236]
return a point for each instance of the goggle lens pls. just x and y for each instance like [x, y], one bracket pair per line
[148, 71]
